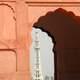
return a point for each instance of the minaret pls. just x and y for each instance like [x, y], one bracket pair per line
[38, 72]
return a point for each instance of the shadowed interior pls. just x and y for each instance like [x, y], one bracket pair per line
[64, 28]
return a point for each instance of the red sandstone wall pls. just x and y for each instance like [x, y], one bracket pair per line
[16, 25]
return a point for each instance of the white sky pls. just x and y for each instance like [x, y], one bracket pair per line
[47, 57]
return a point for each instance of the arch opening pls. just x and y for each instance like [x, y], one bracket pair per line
[64, 28]
[46, 54]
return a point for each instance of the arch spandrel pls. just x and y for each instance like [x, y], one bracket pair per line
[64, 27]
[42, 9]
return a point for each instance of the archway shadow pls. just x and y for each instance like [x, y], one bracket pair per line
[64, 28]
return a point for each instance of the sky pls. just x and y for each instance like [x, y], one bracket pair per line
[46, 54]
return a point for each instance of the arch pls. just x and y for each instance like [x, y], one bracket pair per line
[9, 6]
[7, 22]
[4, 4]
[64, 28]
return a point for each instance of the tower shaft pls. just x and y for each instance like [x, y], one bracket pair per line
[38, 70]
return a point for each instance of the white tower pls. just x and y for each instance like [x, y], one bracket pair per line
[38, 71]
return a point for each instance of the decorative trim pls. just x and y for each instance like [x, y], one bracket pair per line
[53, 4]
[7, 6]
[7, 0]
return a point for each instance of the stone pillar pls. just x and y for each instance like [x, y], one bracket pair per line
[23, 64]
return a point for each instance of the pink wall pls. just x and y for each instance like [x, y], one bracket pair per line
[16, 20]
